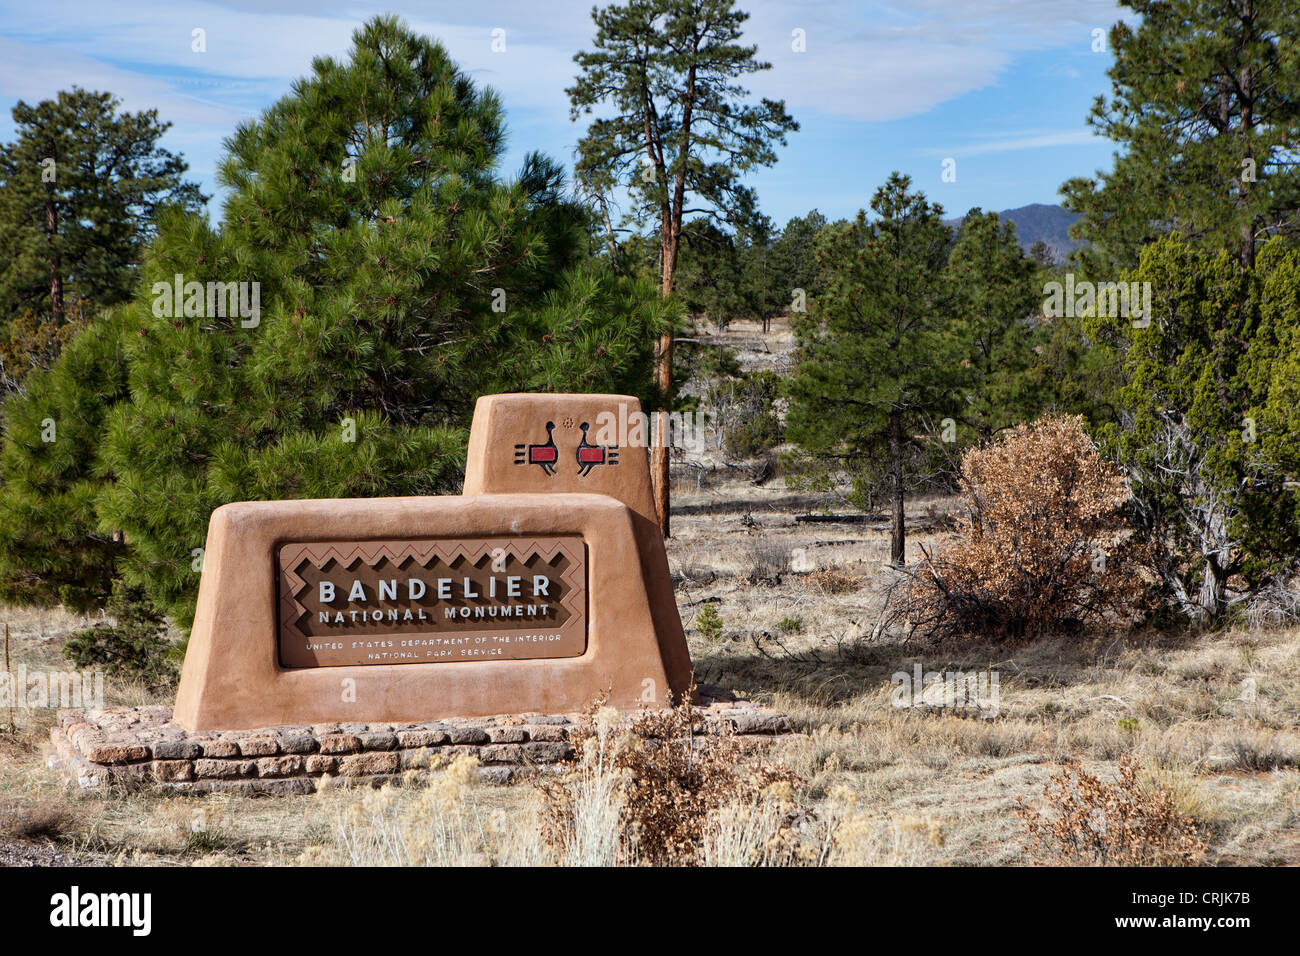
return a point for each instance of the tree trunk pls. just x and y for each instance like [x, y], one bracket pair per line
[670, 238]
[1209, 600]
[56, 263]
[1247, 115]
[609, 233]
[897, 534]
[659, 455]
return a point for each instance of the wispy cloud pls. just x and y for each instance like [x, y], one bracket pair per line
[1014, 143]
[884, 61]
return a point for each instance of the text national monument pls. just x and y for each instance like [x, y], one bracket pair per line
[543, 587]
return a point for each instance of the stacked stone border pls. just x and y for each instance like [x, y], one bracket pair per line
[142, 748]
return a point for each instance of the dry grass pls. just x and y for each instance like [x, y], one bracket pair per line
[51, 820]
[913, 785]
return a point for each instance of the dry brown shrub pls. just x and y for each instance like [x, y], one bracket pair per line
[1119, 824]
[767, 563]
[44, 821]
[1042, 548]
[832, 581]
[671, 779]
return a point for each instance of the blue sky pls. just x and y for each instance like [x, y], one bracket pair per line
[1002, 87]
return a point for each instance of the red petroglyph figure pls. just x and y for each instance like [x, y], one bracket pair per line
[544, 455]
[589, 455]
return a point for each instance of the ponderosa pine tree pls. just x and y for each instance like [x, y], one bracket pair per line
[793, 262]
[680, 135]
[52, 550]
[397, 278]
[762, 293]
[709, 272]
[1078, 377]
[880, 355]
[1206, 107]
[993, 281]
[80, 187]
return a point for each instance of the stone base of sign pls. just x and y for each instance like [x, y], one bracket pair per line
[143, 748]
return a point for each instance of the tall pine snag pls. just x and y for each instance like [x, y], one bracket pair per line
[1206, 108]
[880, 354]
[679, 139]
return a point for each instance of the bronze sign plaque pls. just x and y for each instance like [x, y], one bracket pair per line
[432, 601]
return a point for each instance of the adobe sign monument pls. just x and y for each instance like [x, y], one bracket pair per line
[351, 638]
[540, 588]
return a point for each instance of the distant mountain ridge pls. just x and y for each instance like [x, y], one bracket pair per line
[1040, 221]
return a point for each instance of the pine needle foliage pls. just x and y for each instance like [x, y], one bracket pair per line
[52, 550]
